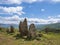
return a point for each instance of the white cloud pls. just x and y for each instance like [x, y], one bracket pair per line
[49, 17]
[55, 0]
[58, 16]
[10, 2]
[26, 1]
[18, 1]
[42, 10]
[29, 1]
[10, 10]
[10, 20]
[36, 20]
[16, 19]
[54, 19]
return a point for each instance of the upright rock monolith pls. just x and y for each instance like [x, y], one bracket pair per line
[11, 29]
[20, 27]
[23, 28]
[32, 32]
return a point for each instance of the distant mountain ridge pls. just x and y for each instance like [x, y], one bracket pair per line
[40, 26]
[55, 25]
[8, 25]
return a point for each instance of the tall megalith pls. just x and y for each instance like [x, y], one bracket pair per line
[32, 31]
[23, 28]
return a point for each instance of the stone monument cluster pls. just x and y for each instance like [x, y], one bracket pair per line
[24, 31]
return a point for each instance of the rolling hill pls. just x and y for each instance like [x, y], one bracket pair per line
[39, 27]
[55, 25]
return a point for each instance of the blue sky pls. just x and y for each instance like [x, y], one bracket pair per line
[36, 11]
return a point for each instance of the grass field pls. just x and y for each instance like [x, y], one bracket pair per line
[46, 39]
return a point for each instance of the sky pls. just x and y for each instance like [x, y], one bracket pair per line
[35, 11]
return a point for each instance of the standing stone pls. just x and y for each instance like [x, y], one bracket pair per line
[7, 30]
[46, 30]
[23, 28]
[11, 29]
[20, 27]
[0, 28]
[32, 31]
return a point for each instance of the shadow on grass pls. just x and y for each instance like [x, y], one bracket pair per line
[10, 33]
[30, 38]
[18, 36]
[27, 39]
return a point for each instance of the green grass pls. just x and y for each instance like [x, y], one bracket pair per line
[46, 39]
